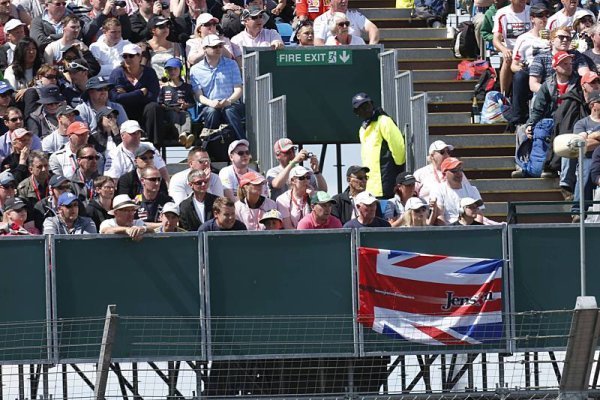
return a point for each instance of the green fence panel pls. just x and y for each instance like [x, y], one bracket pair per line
[546, 276]
[23, 326]
[280, 294]
[154, 284]
[477, 242]
[319, 83]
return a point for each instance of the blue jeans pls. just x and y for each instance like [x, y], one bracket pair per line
[234, 115]
[568, 170]
[588, 191]
[520, 97]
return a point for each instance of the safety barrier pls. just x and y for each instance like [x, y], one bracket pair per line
[389, 66]
[252, 301]
[264, 93]
[403, 87]
[419, 129]
[277, 124]
[250, 73]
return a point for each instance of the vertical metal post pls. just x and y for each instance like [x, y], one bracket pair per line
[582, 210]
[108, 338]
[338, 166]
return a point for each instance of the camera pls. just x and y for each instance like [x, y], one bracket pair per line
[120, 3]
[310, 155]
[165, 6]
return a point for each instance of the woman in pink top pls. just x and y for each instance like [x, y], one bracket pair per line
[294, 204]
[252, 205]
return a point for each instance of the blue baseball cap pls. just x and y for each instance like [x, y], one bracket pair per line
[173, 63]
[66, 199]
[5, 87]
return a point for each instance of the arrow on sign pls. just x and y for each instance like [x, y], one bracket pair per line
[344, 57]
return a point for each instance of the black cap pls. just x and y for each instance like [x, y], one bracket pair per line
[157, 21]
[57, 180]
[66, 109]
[14, 203]
[359, 99]
[353, 170]
[405, 178]
[594, 98]
[539, 9]
[106, 111]
[97, 82]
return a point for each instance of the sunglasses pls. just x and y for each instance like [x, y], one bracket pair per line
[146, 158]
[198, 183]
[443, 151]
[209, 24]
[15, 119]
[60, 4]
[52, 104]
[564, 38]
[4, 3]
[302, 178]
[163, 26]
[257, 17]
[361, 178]
[218, 46]
[455, 170]
[9, 186]
[472, 207]
[129, 55]
[421, 209]
[153, 179]
[342, 24]
[90, 158]
[51, 76]
[7, 94]
[242, 153]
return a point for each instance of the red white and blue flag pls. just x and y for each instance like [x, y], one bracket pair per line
[430, 299]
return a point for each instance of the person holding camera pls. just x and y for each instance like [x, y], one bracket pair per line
[102, 10]
[141, 19]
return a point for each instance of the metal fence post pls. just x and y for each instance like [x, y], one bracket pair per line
[403, 90]
[250, 71]
[264, 93]
[419, 130]
[108, 338]
[388, 62]
[277, 126]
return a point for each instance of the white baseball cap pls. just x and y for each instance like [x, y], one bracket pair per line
[12, 24]
[365, 198]
[170, 207]
[236, 143]
[439, 145]
[130, 126]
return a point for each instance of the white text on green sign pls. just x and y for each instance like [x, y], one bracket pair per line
[294, 58]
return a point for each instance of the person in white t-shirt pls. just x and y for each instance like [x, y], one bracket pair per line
[565, 16]
[452, 190]
[340, 35]
[239, 154]
[509, 23]
[359, 24]
[198, 159]
[430, 176]
[109, 47]
[124, 223]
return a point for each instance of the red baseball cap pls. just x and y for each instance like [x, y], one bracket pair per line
[450, 163]
[560, 57]
[77, 128]
[589, 77]
[251, 177]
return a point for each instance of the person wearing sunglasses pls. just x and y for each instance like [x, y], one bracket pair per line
[130, 183]
[294, 204]
[239, 155]
[450, 192]
[252, 204]
[43, 121]
[255, 34]
[381, 145]
[366, 206]
[359, 24]
[431, 174]
[416, 213]
[8, 188]
[74, 81]
[136, 88]
[64, 161]
[583, 20]
[44, 27]
[13, 119]
[197, 208]
[206, 25]
[340, 32]
[96, 99]
[219, 98]
[161, 48]
[469, 211]
[86, 173]
[151, 199]
[48, 206]
[68, 220]
[14, 219]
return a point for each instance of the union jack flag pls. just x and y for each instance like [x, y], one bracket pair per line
[430, 299]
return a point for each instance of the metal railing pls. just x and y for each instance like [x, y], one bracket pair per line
[388, 62]
[277, 125]
[403, 89]
[250, 71]
[419, 129]
[264, 93]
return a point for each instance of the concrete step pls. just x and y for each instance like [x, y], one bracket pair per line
[515, 185]
[434, 74]
[384, 13]
[428, 54]
[447, 107]
[449, 118]
[523, 195]
[427, 63]
[412, 33]
[399, 23]
[450, 85]
[488, 163]
[442, 96]
[363, 4]
[465, 129]
[395, 43]
[493, 140]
